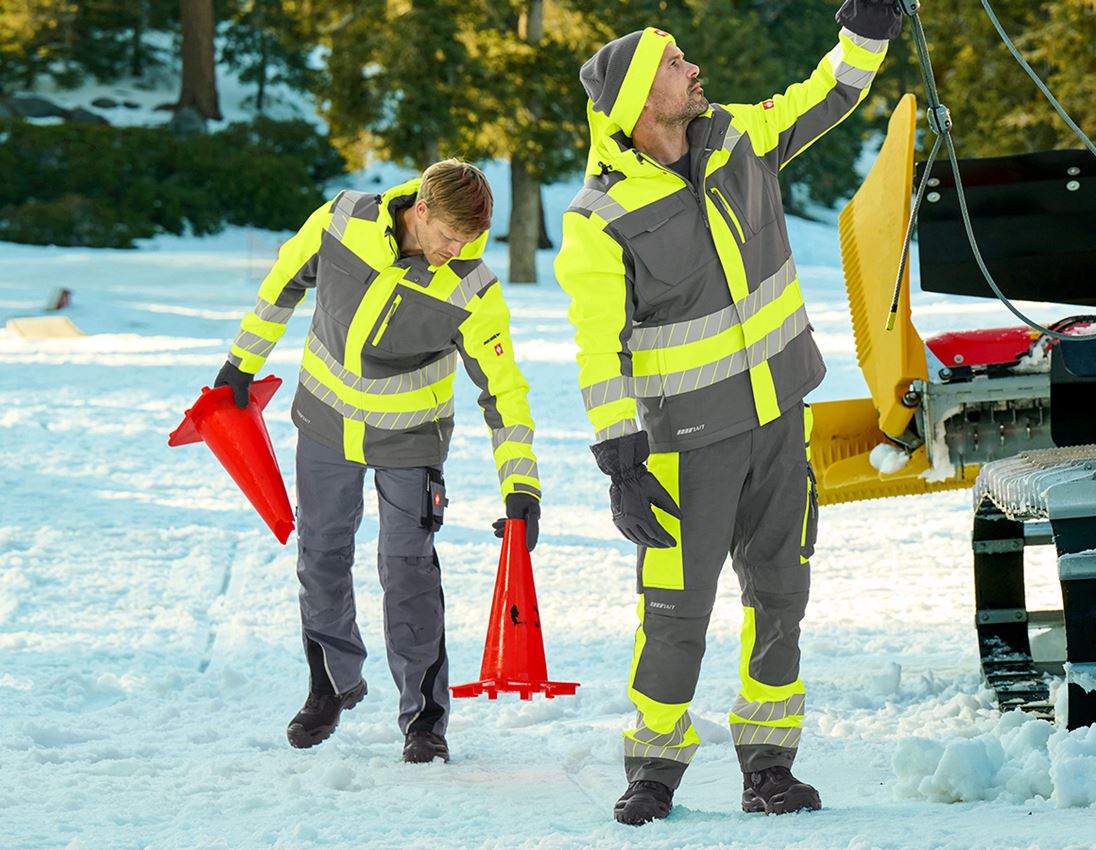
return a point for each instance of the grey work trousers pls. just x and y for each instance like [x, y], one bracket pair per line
[329, 511]
[752, 496]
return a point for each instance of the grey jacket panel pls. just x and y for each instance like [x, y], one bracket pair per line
[674, 275]
[411, 331]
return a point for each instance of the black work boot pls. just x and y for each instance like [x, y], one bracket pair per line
[320, 715]
[776, 792]
[643, 802]
[423, 747]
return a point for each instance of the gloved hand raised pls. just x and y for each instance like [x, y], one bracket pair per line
[871, 18]
[521, 506]
[239, 381]
[634, 490]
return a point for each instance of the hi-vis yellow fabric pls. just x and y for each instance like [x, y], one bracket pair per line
[684, 294]
[376, 379]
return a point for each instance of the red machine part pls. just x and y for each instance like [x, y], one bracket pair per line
[982, 347]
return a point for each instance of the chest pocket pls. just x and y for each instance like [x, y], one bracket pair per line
[342, 279]
[669, 244]
[412, 322]
[749, 190]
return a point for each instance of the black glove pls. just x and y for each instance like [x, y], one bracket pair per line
[634, 490]
[521, 506]
[239, 381]
[871, 18]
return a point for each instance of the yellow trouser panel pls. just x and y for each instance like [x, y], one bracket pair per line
[663, 568]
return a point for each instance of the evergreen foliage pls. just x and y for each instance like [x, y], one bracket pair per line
[417, 80]
[107, 186]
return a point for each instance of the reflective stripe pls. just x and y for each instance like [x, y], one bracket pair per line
[848, 74]
[680, 333]
[617, 429]
[694, 330]
[471, 285]
[767, 291]
[597, 202]
[521, 487]
[401, 421]
[518, 466]
[766, 712]
[645, 742]
[341, 216]
[253, 343]
[608, 391]
[511, 434]
[752, 734]
[235, 360]
[676, 383]
[872, 45]
[406, 382]
[272, 313]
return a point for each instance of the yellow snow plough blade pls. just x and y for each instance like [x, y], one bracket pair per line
[873, 227]
[843, 436]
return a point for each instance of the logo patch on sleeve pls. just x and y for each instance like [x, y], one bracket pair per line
[768, 104]
[498, 349]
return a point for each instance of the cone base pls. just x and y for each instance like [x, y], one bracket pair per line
[493, 687]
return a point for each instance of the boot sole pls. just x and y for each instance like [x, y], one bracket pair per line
[782, 804]
[301, 739]
[622, 815]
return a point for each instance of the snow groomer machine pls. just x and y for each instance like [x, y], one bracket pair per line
[1009, 412]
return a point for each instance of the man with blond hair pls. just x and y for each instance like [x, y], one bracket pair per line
[688, 313]
[401, 292]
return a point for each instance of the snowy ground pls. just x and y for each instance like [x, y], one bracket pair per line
[149, 626]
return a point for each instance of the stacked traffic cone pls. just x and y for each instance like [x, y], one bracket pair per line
[241, 443]
[513, 656]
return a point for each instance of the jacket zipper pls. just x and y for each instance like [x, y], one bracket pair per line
[724, 207]
[387, 318]
[696, 190]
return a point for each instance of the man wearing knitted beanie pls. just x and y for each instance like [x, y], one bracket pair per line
[689, 317]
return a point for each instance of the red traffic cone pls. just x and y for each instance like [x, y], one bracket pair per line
[239, 440]
[513, 656]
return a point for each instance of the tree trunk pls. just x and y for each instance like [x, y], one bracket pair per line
[199, 73]
[524, 222]
[136, 47]
[264, 63]
[525, 206]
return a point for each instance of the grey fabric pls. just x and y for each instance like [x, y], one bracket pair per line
[329, 511]
[602, 75]
[666, 771]
[414, 607]
[673, 276]
[736, 497]
[420, 330]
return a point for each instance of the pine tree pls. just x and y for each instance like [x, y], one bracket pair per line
[266, 42]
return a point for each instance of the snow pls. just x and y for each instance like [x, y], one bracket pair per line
[887, 458]
[149, 624]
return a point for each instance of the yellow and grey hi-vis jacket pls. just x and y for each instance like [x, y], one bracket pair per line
[376, 378]
[684, 294]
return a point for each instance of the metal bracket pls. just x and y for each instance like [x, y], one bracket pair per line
[1001, 615]
[997, 547]
[909, 7]
[939, 119]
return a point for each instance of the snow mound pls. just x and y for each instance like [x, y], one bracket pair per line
[1019, 760]
[887, 458]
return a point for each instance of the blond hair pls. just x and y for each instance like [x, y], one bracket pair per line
[459, 193]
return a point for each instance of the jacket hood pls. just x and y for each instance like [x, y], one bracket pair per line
[617, 80]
